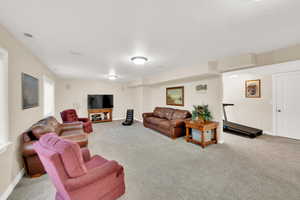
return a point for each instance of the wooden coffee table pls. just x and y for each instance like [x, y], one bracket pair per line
[202, 127]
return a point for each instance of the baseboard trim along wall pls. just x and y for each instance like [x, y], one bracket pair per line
[139, 120]
[11, 187]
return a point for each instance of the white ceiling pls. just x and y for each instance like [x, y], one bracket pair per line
[171, 33]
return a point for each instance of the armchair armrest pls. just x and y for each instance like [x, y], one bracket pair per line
[145, 115]
[93, 175]
[83, 119]
[177, 123]
[85, 154]
[27, 149]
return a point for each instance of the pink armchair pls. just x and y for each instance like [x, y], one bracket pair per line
[71, 116]
[75, 174]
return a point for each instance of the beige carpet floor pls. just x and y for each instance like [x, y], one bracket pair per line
[159, 168]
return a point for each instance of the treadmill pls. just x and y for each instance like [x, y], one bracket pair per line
[239, 129]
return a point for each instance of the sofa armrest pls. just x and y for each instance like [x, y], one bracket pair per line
[177, 123]
[85, 154]
[94, 175]
[28, 150]
[84, 120]
[72, 125]
[145, 115]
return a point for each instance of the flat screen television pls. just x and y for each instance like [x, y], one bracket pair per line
[100, 101]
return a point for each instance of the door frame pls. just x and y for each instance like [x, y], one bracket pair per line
[274, 99]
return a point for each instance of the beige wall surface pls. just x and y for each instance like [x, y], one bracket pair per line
[73, 94]
[254, 112]
[20, 59]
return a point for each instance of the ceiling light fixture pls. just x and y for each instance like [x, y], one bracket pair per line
[28, 35]
[139, 60]
[112, 77]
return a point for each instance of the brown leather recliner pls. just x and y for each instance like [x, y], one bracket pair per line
[168, 121]
[71, 131]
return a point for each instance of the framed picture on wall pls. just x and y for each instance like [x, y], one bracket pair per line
[253, 89]
[30, 91]
[175, 96]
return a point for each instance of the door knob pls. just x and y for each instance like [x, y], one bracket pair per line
[278, 110]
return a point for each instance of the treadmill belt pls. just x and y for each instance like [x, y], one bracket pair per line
[242, 128]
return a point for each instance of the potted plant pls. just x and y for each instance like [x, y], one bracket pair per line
[202, 113]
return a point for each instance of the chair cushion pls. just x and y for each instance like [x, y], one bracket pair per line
[95, 162]
[69, 152]
[71, 116]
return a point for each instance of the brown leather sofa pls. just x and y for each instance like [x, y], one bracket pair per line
[168, 121]
[71, 131]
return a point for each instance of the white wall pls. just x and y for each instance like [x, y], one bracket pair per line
[4, 122]
[20, 59]
[254, 112]
[73, 94]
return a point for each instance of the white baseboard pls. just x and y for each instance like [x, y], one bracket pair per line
[269, 133]
[11, 187]
[139, 120]
[118, 119]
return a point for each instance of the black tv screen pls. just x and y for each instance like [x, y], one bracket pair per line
[100, 101]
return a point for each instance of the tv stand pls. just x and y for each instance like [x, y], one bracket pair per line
[100, 115]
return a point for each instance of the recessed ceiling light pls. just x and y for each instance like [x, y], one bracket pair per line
[112, 76]
[28, 35]
[139, 60]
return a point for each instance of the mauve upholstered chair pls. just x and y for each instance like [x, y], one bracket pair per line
[71, 116]
[75, 174]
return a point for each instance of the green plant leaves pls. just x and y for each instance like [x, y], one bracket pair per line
[201, 112]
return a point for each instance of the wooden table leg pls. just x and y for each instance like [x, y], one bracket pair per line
[202, 139]
[187, 134]
[216, 135]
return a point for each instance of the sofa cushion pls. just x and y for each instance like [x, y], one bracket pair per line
[69, 152]
[39, 130]
[51, 121]
[165, 124]
[70, 132]
[181, 114]
[168, 113]
[158, 112]
[154, 120]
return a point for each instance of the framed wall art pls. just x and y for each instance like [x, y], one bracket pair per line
[253, 88]
[30, 91]
[175, 96]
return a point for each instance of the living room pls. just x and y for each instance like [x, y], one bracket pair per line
[135, 54]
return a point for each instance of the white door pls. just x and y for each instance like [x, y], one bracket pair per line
[287, 104]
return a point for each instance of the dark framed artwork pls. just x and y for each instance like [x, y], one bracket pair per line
[253, 88]
[175, 96]
[30, 91]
